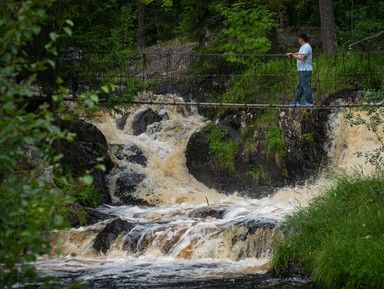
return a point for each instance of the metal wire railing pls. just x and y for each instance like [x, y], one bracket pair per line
[254, 78]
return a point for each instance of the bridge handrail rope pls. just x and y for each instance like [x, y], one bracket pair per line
[254, 105]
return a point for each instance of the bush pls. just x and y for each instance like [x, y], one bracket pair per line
[30, 203]
[79, 192]
[338, 239]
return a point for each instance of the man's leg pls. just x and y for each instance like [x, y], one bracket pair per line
[300, 89]
[307, 87]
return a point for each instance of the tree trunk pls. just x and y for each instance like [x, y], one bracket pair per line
[328, 27]
[141, 26]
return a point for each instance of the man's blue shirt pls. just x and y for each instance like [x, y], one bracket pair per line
[306, 64]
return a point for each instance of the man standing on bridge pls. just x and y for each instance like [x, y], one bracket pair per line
[304, 66]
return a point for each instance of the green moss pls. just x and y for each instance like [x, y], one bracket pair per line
[223, 147]
[267, 118]
[275, 142]
[267, 124]
[307, 137]
[257, 173]
[339, 239]
[250, 143]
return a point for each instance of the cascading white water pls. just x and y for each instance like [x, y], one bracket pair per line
[167, 179]
[181, 233]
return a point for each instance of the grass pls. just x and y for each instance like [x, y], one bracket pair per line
[223, 148]
[275, 142]
[257, 173]
[339, 239]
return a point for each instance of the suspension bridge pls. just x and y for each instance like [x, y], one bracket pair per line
[196, 77]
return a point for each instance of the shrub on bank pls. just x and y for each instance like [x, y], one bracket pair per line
[338, 240]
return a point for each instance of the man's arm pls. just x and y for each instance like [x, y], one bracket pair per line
[297, 56]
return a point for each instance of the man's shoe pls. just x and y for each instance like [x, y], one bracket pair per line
[308, 104]
[294, 103]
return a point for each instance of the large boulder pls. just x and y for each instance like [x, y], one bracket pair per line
[82, 154]
[126, 185]
[130, 153]
[108, 235]
[120, 122]
[145, 118]
[272, 149]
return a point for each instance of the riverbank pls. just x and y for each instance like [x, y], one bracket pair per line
[338, 240]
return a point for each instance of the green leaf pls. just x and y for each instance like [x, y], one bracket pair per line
[87, 180]
[94, 98]
[54, 36]
[51, 63]
[69, 22]
[68, 31]
[101, 167]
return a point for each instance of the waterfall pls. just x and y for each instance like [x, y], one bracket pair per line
[178, 232]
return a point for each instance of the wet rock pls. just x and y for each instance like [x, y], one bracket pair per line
[154, 128]
[204, 166]
[273, 150]
[82, 154]
[131, 241]
[231, 124]
[81, 216]
[126, 185]
[108, 235]
[164, 115]
[120, 122]
[205, 212]
[131, 153]
[143, 119]
[254, 225]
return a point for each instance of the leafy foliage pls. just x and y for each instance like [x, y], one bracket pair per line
[30, 203]
[245, 29]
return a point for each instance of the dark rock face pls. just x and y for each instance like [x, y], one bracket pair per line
[105, 238]
[254, 225]
[305, 136]
[232, 124]
[262, 163]
[143, 119]
[82, 154]
[126, 185]
[203, 165]
[120, 123]
[205, 212]
[131, 153]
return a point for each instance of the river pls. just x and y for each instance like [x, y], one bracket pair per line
[191, 236]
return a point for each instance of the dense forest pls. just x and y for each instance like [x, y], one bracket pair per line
[53, 49]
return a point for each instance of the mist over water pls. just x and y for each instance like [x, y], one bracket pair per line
[179, 239]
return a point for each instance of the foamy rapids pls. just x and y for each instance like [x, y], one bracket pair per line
[180, 237]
